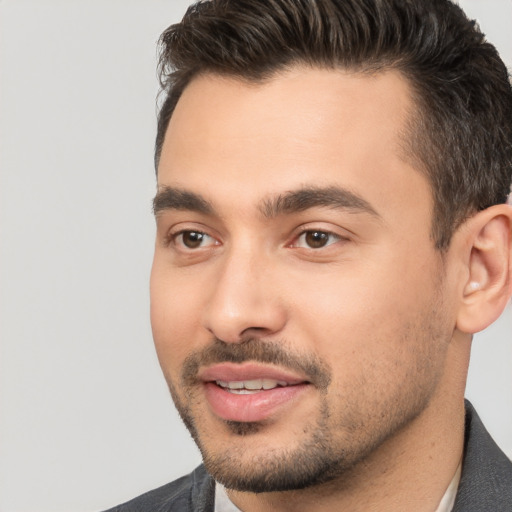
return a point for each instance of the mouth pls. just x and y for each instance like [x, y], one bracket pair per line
[250, 392]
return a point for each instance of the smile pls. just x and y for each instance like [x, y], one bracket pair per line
[251, 391]
[247, 387]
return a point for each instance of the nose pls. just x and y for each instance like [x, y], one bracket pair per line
[245, 301]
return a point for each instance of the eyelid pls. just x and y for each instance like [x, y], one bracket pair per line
[333, 238]
[179, 235]
[173, 234]
[333, 231]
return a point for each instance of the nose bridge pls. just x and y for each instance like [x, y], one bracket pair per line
[242, 301]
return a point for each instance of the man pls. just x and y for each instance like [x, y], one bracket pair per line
[331, 231]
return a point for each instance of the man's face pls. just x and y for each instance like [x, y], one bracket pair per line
[297, 301]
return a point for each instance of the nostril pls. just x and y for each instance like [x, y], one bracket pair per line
[254, 332]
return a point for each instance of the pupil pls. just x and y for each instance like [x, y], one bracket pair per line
[316, 239]
[192, 239]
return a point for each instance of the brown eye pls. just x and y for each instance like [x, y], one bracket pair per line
[193, 239]
[316, 239]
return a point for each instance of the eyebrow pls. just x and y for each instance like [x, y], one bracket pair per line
[293, 201]
[169, 198]
[314, 197]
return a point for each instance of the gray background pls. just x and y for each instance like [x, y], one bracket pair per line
[85, 416]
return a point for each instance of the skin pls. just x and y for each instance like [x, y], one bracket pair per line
[367, 302]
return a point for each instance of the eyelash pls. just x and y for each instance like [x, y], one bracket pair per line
[324, 237]
[329, 235]
[174, 238]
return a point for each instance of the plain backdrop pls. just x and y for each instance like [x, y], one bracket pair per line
[85, 417]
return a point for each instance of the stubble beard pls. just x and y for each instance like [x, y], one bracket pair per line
[330, 448]
[292, 468]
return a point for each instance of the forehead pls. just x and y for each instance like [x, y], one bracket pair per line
[305, 101]
[303, 127]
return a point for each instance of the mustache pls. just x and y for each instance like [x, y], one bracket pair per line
[256, 350]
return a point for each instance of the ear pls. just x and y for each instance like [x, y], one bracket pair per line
[488, 284]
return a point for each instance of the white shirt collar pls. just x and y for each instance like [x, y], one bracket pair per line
[448, 499]
[222, 501]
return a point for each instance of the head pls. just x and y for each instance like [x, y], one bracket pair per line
[330, 178]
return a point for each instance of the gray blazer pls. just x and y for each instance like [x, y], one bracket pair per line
[485, 485]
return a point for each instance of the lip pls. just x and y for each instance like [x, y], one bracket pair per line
[248, 371]
[253, 407]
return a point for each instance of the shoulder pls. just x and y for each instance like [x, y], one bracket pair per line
[193, 492]
[486, 481]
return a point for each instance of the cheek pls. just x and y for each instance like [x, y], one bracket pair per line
[384, 345]
[362, 312]
[174, 318]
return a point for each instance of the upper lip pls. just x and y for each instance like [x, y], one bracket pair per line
[235, 372]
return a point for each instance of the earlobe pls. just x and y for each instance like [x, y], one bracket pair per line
[489, 285]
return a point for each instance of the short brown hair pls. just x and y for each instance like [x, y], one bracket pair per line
[461, 136]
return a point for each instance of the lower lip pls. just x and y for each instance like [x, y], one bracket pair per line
[250, 408]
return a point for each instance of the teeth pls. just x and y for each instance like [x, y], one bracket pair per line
[248, 386]
[260, 384]
[230, 385]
